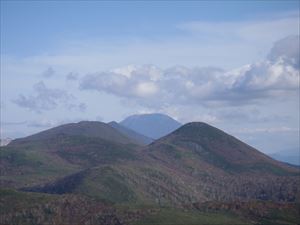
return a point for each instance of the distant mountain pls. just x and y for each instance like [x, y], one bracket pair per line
[151, 125]
[92, 129]
[139, 138]
[291, 156]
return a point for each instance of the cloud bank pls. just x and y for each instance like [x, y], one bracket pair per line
[275, 76]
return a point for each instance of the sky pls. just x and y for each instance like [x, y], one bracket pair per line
[232, 64]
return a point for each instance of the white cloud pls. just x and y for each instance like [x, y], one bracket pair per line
[146, 89]
[268, 76]
[158, 88]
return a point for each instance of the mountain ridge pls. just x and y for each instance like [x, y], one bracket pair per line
[83, 128]
[214, 144]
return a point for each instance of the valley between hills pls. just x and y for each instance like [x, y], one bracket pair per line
[167, 173]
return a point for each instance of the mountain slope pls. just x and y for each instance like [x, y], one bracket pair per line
[139, 138]
[217, 166]
[39, 161]
[195, 163]
[84, 128]
[215, 147]
[61, 151]
[151, 125]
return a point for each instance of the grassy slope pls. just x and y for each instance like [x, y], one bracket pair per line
[120, 177]
[106, 184]
[28, 167]
[41, 161]
[223, 150]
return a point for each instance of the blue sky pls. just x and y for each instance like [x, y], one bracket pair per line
[45, 23]
[232, 64]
